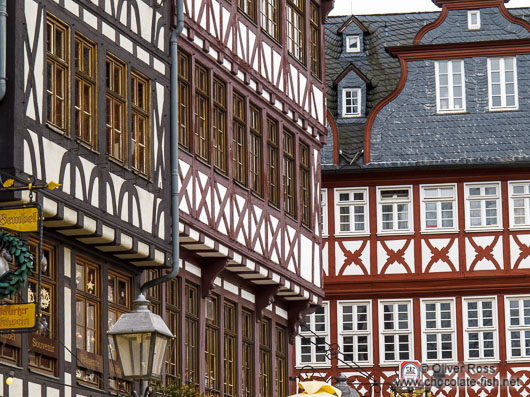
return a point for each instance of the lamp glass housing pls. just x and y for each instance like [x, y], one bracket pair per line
[141, 339]
[161, 343]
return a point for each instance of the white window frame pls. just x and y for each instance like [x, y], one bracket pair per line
[394, 202]
[321, 334]
[525, 197]
[438, 200]
[351, 204]
[470, 24]
[438, 330]
[503, 95]
[349, 40]
[356, 92]
[324, 213]
[382, 332]
[480, 329]
[515, 328]
[355, 332]
[483, 198]
[450, 87]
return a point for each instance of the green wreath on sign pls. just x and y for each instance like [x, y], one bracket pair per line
[12, 281]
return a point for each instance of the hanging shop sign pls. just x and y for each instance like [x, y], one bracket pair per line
[20, 219]
[17, 316]
[17, 262]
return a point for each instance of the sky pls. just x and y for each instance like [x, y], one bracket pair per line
[363, 7]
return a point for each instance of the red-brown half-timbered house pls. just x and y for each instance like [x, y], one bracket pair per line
[425, 202]
[87, 105]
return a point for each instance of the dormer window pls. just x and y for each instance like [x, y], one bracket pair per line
[473, 20]
[502, 83]
[353, 44]
[351, 102]
[450, 86]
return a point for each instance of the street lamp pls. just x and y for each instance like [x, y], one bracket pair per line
[141, 339]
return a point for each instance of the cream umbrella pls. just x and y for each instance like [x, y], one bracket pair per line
[318, 389]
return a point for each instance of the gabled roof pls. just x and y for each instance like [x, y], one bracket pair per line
[375, 64]
[378, 67]
[351, 68]
[348, 23]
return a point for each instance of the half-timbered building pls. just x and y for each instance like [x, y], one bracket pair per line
[425, 201]
[87, 105]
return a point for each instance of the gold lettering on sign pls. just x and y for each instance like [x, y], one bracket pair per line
[11, 339]
[41, 344]
[90, 361]
[19, 219]
[17, 316]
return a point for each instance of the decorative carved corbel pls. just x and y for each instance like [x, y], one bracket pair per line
[264, 297]
[297, 312]
[210, 270]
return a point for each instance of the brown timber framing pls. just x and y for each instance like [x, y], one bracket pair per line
[214, 176]
[225, 54]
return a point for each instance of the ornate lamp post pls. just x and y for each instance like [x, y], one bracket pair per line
[141, 340]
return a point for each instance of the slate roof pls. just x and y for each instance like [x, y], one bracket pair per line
[382, 70]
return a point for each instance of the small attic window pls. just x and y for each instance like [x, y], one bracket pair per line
[353, 44]
[473, 20]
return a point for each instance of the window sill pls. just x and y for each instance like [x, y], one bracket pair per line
[448, 362]
[56, 129]
[351, 116]
[484, 230]
[85, 386]
[391, 363]
[220, 172]
[503, 109]
[139, 174]
[40, 373]
[482, 361]
[519, 228]
[361, 234]
[459, 111]
[396, 233]
[86, 145]
[312, 365]
[439, 231]
[10, 364]
[298, 61]
[270, 36]
[116, 161]
[257, 196]
[241, 185]
[518, 360]
[247, 17]
[316, 76]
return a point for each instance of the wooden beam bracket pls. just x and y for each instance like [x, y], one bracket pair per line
[265, 296]
[297, 312]
[210, 270]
